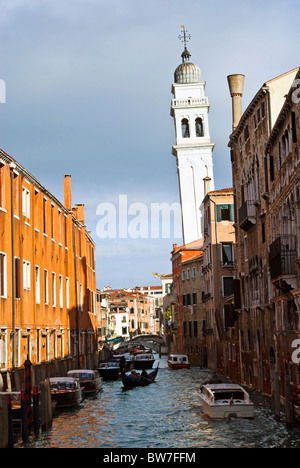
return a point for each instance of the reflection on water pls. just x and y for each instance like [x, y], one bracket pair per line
[164, 415]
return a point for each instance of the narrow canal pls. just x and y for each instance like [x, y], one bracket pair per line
[164, 415]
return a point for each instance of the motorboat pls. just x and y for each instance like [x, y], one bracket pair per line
[134, 379]
[141, 361]
[66, 391]
[178, 361]
[90, 380]
[109, 370]
[225, 400]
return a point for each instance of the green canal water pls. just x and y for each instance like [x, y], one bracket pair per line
[166, 414]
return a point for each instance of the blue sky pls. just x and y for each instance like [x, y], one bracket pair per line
[88, 92]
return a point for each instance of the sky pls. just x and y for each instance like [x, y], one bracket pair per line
[88, 93]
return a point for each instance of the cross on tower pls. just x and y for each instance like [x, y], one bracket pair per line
[185, 37]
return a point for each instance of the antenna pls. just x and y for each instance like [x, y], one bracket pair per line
[184, 37]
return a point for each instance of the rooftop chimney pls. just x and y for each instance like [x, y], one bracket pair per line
[206, 185]
[80, 213]
[67, 192]
[236, 87]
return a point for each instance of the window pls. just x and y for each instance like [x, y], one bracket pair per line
[225, 213]
[2, 183]
[199, 127]
[37, 285]
[246, 132]
[44, 215]
[3, 275]
[185, 128]
[183, 275]
[61, 292]
[227, 253]
[81, 297]
[17, 278]
[272, 176]
[67, 293]
[26, 274]
[188, 274]
[228, 285]
[26, 202]
[52, 221]
[194, 298]
[66, 232]
[53, 289]
[46, 295]
[193, 272]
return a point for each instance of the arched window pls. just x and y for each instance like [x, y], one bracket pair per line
[199, 127]
[185, 128]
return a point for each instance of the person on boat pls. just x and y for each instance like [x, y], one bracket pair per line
[122, 364]
[135, 374]
[144, 374]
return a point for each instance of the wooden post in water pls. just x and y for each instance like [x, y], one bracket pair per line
[27, 365]
[46, 405]
[9, 422]
[3, 423]
[288, 406]
[277, 396]
[36, 423]
[24, 416]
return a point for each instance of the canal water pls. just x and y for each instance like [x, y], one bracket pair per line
[166, 414]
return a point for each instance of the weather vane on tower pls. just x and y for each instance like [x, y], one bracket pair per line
[184, 37]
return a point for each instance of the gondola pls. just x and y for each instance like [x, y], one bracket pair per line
[134, 379]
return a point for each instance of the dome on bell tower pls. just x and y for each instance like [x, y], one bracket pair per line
[187, 72]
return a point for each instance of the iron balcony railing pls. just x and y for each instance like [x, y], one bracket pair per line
[282, 256]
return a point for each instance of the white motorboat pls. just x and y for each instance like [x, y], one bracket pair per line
[225, 400]
[178, 361]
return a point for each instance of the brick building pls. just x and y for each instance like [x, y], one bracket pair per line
[218, 269]
[47, 272]
[186, 332]
[264, 154]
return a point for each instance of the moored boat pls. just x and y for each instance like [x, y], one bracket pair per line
[178, 361]
[66, 391]
[90, 380]
[141, 361]
[134, 379]
[109, 370]
[225, 400]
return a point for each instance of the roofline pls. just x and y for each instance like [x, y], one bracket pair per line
[31, 178]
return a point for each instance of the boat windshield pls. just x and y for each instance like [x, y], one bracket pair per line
[82, 375]
[227, 395]
[63, 386]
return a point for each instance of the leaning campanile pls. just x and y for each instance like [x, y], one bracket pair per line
[193, 149]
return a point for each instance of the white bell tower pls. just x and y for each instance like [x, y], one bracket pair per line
[193, 149]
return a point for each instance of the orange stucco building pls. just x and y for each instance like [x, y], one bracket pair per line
[47, 272]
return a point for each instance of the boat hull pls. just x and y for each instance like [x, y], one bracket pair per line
[131, 381]
[91, 386]
[226, 411]
[109, 374]
[178, 366]
[67, 398]
[140, 364]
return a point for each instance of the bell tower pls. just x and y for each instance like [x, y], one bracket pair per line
[193, 149]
